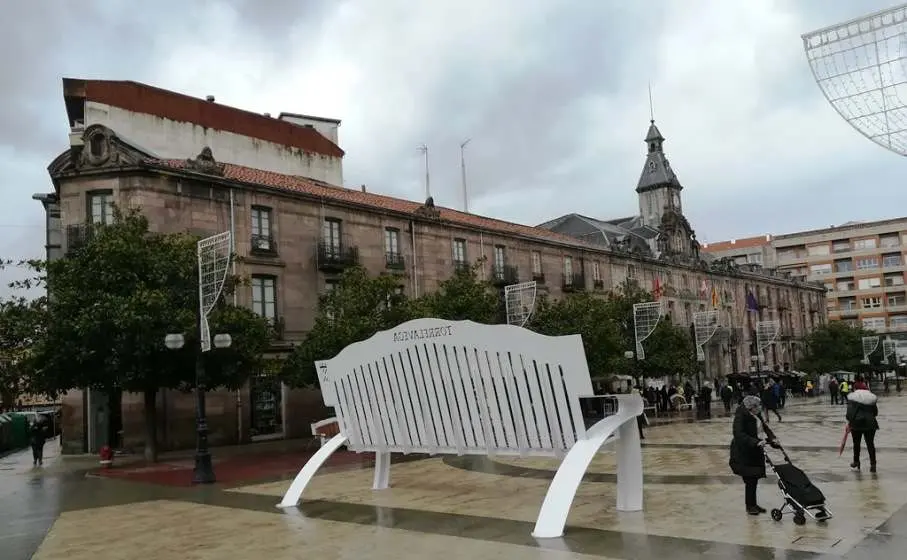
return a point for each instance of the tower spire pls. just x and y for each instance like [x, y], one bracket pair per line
[651, 106]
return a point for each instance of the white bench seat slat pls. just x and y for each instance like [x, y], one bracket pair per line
[458, 387]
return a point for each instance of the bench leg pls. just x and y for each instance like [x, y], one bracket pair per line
[382, 470]
[294, 494]
[629, 468]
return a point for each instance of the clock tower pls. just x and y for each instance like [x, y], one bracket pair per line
[658, 186]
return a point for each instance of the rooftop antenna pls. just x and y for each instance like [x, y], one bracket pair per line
[463, 173]
[651, 105]
[424, 150]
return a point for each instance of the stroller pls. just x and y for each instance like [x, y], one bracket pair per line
[801, 497]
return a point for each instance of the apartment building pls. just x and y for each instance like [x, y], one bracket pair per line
[746, 251]
[861, 266]
[297, 231]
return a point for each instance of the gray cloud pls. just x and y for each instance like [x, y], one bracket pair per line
[554, 99]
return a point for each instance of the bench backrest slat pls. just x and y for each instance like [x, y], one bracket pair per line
[459, 387]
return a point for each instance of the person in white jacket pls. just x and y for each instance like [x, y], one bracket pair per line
[862, 413]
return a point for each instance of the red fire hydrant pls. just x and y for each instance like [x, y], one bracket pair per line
[106, 455]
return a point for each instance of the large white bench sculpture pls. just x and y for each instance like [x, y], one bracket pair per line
[458, 387]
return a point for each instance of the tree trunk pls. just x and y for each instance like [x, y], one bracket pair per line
[151, 425]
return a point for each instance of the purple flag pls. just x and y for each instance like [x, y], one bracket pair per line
[751, 303]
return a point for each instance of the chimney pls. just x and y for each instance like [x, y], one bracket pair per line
[363, 188]
[209, 99]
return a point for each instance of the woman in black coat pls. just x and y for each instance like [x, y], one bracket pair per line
[747, 458]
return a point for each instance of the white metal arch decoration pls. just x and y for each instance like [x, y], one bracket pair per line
[459, 387]
[870, 345]
[645, 319]
[705, 325]
[519, 300]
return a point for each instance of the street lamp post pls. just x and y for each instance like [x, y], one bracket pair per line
[631, 355]
[204, 469]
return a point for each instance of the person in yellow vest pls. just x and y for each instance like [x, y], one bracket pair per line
[845, 389]
[809, 388]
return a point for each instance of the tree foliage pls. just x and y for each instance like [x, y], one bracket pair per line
[21, 323]
[834, 346]
[112, 302]
[361, 305]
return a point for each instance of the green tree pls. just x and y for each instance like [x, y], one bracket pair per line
[112, 302]
[358, 307]
[669, 351]
[21, 321]
[584, 314]
[462, 296]
[834, 346]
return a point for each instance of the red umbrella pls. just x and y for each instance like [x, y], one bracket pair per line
[844, 439]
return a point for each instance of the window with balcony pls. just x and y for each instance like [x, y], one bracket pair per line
[868, 243]
[331, 230]
[499, 262]
[896, 299]
[869, 283]
[820, 269]
[874, 323]
[889, 241]
[264, 296]
[755, 258]
[262, 240]
[840, 246]
[393, 257]
[847, 304]
[818, 250]
[898, 320]
[843, 266]
[787, 255]
[894, 279]
[536, 265]
[459, 253]
[845, 285]
[100, 207]
[867, 263]
[871, 303]
[891, 261]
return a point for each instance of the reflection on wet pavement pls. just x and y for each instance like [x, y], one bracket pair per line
[476, 508]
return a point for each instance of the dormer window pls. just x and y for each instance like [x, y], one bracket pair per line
[96, 145]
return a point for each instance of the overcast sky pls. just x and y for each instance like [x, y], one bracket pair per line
[553, 95]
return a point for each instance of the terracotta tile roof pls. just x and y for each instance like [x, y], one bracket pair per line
[142, 98]
[377, 201]
[745, 243]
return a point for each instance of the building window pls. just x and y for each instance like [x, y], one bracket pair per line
[896, 299]
[331, 231]
[872, 303]
[100, 207]
[536, 263]
[631, 272]
[891, 261]
[787, 255]
[889, 241]
[874, 323]
[261, 229]
[755, 258]
[845, 285]
[869, 283]
[817, 250]
[843, 266]
[392, 241]
[894, 280]
[861, 244]
[264, 297]
[829, 287]
[596, 272]
[820, 269]
[867, 263]
[898, 320]
[840, 246]
[498, 266]
[459, 252]
[568, 269]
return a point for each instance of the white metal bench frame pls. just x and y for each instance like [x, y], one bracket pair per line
[459, 387]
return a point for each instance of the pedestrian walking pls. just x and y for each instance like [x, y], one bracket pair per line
[859, 384]
[37, 435]
[747, 458]
[727, 395]
[844, 389]
[833, 390]
[769, 401]
[862, 417]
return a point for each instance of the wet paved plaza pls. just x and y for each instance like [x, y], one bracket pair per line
[459, 507]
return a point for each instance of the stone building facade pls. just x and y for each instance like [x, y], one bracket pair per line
[295, 235]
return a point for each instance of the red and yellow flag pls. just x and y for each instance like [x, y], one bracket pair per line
[716, 300]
